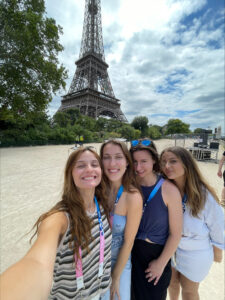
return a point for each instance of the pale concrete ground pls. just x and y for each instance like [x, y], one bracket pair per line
[31, 182]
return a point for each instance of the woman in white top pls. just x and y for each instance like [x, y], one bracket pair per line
[203, 224]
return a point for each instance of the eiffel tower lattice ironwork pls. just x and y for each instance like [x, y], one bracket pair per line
[91, 90]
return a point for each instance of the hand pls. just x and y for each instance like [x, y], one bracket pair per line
[219, 173]
[154, 271]
[115, 288]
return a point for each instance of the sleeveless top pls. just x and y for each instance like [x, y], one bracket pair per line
[119, 223]
[64, 285]
[155, 220]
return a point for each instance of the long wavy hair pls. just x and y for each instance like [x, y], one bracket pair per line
[128, 181]
[73, 203]
[152, 150]
[195, 187]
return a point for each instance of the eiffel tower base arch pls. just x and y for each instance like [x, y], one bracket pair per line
[93, 104]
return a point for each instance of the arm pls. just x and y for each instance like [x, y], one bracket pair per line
[134, 213]
[214, 219]
[172, 199]
[31, 277]
[219, 173]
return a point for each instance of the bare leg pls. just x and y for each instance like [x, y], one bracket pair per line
[174, 287]
[189, 289]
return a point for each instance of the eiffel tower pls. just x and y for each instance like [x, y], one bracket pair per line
[91, 90]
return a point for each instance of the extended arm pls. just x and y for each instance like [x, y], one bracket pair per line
[31, 277]
[172, 199]
[134, 213]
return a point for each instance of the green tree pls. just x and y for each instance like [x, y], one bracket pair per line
[61, 119]
[153, 132]
[199, 130]
[177, 126]
[127, 132]
[140, 123]
[29, 69]
[74, 115]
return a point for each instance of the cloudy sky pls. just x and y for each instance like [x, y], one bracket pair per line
[166, 57]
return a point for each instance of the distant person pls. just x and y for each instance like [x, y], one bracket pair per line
[219, 173]
[71, 258]
[81, 140]
[125, 202]
[203, 225]
[160, 229]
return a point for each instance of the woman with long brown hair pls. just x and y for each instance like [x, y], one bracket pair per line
[203, 224]
[71, 257]
[125, 204]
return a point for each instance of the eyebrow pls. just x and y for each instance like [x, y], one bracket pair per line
[84, 161]
[119, 153]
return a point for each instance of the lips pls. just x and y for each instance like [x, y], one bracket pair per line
[89, 178]
[140, 173]
[113, 171]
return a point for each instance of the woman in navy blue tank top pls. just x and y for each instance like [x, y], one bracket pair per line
[160, 229]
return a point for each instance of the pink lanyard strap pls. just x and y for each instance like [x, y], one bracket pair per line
[78, 261]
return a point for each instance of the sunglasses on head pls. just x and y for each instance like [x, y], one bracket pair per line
[143, 142]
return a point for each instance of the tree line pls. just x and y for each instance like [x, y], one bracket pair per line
[68, 126]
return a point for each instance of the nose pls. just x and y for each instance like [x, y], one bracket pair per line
[89, 167]
[112, 161]
[137, 166]
[166, 165]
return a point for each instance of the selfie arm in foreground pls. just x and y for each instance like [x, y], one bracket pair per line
[31, 277]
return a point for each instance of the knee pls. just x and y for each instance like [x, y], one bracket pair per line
[189, 293]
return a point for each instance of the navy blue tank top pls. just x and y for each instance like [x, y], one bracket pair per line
[155, 221]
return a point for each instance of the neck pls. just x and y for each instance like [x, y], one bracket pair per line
[148, 180]
[116, 185]
[88, 197]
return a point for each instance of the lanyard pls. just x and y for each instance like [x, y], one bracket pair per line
[119, 193]
[78, 261]
[184, 200]
[153, 192]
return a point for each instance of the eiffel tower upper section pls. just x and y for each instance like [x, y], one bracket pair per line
[91, 90]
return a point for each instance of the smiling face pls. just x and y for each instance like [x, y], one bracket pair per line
[172, 166]
[87, 171]
[114, 162]
[143, 163]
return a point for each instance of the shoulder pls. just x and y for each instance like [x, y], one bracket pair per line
[56, 222]
[170, 192]
[134, 198]
[169, 187]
